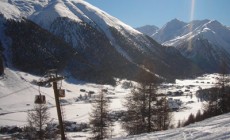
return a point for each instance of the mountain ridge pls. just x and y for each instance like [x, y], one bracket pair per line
[195, 37]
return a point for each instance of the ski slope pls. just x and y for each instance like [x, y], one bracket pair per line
[216, 128]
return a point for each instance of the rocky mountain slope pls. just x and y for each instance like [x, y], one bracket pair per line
[92, 44]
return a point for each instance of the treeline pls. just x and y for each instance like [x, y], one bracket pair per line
[217, 99]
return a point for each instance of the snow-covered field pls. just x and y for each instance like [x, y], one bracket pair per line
[17, 96]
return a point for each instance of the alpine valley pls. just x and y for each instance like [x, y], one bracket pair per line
[95, 53]
[83, 41]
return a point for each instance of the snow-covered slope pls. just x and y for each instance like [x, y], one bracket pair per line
[199, 40]
[78, 10]
[215, 128]
[9, 11]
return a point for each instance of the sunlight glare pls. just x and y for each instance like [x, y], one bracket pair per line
[191, 24]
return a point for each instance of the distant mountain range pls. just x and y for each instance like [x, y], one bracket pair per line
[82, 41]
[148, 29]
[205, 42]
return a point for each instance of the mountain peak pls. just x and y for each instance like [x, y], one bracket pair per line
[175, 21]
[174, 25]
[169, 30]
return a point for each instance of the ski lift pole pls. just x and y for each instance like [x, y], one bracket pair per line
[54, 79]
[58, 110]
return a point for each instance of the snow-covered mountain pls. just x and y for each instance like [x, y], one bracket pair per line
[101, 45]
[148, 29]
[210, 129]
[205, 42]
[175, 32]
[169, 31]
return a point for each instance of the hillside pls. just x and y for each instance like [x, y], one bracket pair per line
[210, 129]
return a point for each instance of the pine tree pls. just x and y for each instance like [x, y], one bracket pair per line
[164, 116]
[134, 121]
[1, 65]
[99, 118]
[141, 112]
[198, 116]
[191, 119]
[212, 107]
[224, 97]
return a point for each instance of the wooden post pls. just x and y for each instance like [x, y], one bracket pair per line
[54, 79]
[58, 110]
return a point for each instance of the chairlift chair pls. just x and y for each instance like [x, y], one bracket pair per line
[61, 92]
[40, 99]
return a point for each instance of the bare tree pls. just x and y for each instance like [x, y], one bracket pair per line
[99, 118]
[38, 119]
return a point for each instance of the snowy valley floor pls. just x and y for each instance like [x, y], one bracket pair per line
[17, 96]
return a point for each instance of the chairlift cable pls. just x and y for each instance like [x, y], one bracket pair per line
[61, 84]
[44, 93]
[30, 86]
[15, 92]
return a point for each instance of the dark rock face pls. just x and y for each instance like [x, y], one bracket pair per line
[34, 49]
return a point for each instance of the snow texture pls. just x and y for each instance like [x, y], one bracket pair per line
[209, 129]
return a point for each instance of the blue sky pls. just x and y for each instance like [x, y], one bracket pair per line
[157, 12]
